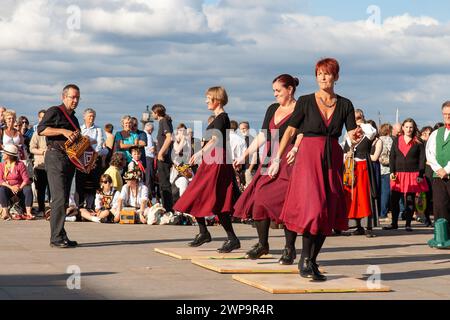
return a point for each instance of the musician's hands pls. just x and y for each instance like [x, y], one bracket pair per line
[274, 168]
[442, 173]
[71, 135]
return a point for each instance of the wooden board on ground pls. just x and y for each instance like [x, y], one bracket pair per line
[189, 253]
[246, 266]
[293, 283]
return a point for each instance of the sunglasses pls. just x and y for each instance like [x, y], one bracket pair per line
[106, 182]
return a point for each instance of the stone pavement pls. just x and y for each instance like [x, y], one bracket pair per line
[118, 262]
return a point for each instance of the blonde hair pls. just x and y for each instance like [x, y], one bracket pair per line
[9, 112]
[218, 94]
[124, 118]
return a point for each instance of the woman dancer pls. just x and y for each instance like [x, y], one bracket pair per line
[211, 190]
[264, 197]
[315, 203]
[407, 163]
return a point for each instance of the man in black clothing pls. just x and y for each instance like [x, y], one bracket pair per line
[57, 127]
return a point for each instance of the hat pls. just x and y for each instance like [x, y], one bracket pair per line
[132, 175]
[10, 150]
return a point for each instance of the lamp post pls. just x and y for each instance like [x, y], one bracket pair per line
[146, 117]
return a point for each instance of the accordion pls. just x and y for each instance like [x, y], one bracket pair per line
[81, 154]
[185, 170]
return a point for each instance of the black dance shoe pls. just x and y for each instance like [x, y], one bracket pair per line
[305, 268]
[62, 244]
[200, 239]
[408, 228]
[70, 242]
[316, 274]
[229, 246]
[359, 231]
[288, 256]
[257, 251]
[391, 227]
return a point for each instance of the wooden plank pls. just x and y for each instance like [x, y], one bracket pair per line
[294, 284]
[189, 253]
[245, 266]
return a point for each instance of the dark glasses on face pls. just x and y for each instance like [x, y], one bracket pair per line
[105, 182]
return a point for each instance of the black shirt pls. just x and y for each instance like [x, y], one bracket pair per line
[220, 123]
[55, 118]
[414, 161]
[165, 126]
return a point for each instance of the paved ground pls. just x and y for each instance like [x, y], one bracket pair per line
[118, 262]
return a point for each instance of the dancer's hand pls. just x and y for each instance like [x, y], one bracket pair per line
[196, 158]
[291, 155]
[274, 168]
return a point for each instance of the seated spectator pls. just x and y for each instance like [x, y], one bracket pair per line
[136, 163]
[134, 194]
[115, 168]
[105, 199]
[14, 181]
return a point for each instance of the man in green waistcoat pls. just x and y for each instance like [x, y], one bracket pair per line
[438, 157]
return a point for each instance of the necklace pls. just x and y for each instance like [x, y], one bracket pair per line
[333, 102]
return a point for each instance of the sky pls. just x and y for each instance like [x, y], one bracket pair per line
[127, 54]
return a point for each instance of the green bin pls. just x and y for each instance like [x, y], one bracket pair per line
[440, 240]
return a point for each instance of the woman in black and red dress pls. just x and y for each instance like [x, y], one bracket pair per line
[264, 197]
[407, 165]
[211, 190]
[315, 203]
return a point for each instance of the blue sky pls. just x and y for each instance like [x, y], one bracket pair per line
[127, 54]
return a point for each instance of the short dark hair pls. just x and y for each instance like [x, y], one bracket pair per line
[42, 111]
[446, 104]
[233, 125]
[116, 159]
[70, 86]
[109, 127]
[135, 148]
[245, 122]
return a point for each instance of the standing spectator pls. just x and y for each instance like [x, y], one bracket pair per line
[438, 156]
[385, 137]
[407, 164]
[252, 162]
[38, 147]
[181, 156]
[196, 145]
[125, 139]
[237, 146]
[165, 145]
[26, 131]
[87, 184]
[425, 135]
[150, 150]
[14, 181]
[40, 116]
[116, 165]
[142, 138]
[109, 143]
[2, 120]
[375, 152]
[11, 135]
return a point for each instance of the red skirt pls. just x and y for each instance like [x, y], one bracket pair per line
[211, 190]
[358, 207]
[314, 204]
[264, 197]
[407, 182]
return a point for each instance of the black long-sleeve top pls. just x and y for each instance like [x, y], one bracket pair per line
[413, 162]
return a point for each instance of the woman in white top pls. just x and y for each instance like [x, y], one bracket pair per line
[11, 135]
[134, 194]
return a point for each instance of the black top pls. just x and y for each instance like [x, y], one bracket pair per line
[308, 118]
[165, 126]
[362, 150]
[221, 123]
[413, 162]
[270, 113]
[55, 118]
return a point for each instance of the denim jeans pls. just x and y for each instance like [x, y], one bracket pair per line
[385, 195]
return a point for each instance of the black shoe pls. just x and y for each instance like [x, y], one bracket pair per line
[288, 256]
[428, 223]
[370, 234]
[305, 268]
[257, 251]
[391, 227]
[359, 231]
[200, 239]
[61, 244]
[229, 246]
[409, 229]
[316, 274]
[71, 243]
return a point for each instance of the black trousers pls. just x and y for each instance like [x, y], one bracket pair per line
[60, 173]
[150, 176]
[41, 183]
[164, 184]
[86, 186]
[441, 199]
[395, 205]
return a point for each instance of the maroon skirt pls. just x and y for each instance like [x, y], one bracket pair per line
[211, 190]
[264, 197]
[314, 204]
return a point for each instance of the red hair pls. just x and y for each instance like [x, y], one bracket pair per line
[329, 65]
